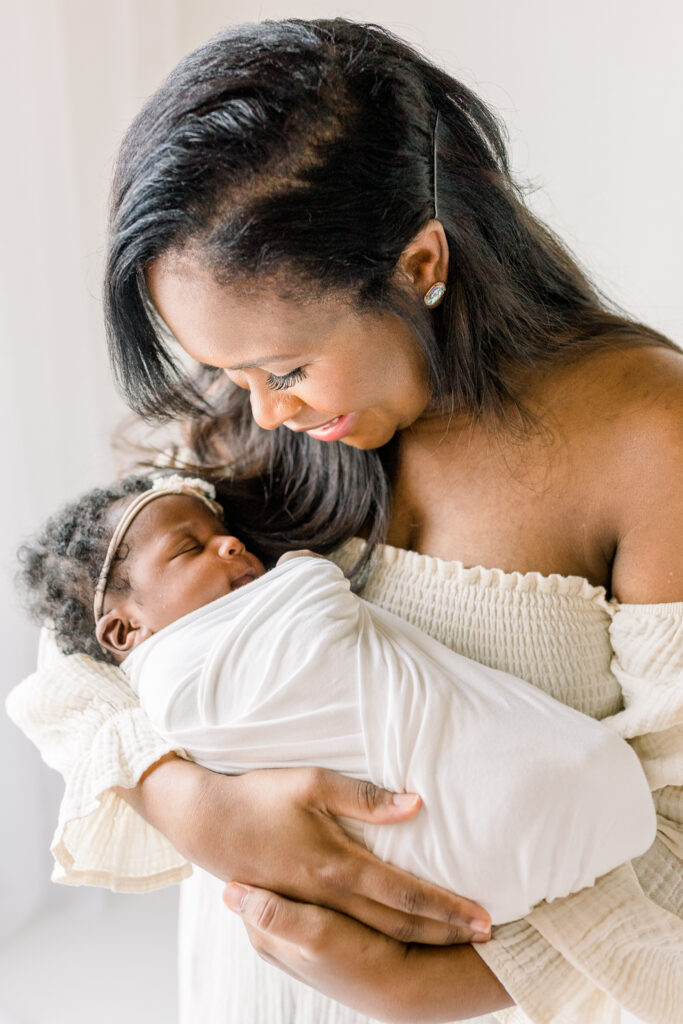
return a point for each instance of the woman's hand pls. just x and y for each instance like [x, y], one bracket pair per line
[367, 971]
[277, 829]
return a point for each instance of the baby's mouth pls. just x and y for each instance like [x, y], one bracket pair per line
[242, 580]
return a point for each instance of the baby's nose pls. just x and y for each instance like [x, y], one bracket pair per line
[228, 546]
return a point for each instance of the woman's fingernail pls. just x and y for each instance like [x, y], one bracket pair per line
[405, 800]
[481, 926]
[235, 896]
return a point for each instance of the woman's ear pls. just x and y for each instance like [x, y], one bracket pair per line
[119, 631]
[424, 261]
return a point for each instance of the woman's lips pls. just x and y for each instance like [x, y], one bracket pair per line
[335, 428]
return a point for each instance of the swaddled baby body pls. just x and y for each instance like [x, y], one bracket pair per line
[524, 798]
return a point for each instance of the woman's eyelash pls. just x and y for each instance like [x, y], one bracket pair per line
[288, 380]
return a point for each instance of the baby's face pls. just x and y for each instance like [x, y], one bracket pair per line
[181, 557]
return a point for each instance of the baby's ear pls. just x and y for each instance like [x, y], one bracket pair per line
[119, 632]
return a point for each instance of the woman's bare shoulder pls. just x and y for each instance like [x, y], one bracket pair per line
[621, 381]
[637, 419]
[642, 376]
[616, 420]
[638, 402]
[616, 395]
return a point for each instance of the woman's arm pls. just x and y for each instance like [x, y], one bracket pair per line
[88, 725]
[642, 495]
[278, 828]
[273, 828]
[371, 973]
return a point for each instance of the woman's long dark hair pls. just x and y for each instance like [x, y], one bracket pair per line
[302, 153]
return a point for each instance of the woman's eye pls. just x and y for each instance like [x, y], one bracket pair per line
[288, 380]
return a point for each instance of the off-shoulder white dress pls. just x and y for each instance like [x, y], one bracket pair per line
[574, 961]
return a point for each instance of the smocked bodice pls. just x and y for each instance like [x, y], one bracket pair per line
[550, 630]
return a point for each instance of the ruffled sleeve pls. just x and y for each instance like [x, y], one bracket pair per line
[648, 662]
[88, 725]
[619, 943]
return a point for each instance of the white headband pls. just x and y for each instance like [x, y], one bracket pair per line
[174, 484]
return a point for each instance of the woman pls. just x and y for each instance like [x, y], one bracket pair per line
[290, 204]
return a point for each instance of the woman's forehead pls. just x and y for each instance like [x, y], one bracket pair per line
[231, 325]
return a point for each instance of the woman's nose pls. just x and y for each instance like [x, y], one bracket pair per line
[226, 547]
[271, 410]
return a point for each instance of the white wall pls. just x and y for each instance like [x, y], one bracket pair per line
[591, 92]
[73, 76]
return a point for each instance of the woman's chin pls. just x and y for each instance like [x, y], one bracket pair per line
[368, 440]
[370, 432]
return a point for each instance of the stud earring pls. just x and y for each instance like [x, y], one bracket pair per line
[435, 294]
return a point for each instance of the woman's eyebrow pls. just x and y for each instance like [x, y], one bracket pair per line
[264, 359]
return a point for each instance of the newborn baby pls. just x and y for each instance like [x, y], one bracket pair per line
[524, 798]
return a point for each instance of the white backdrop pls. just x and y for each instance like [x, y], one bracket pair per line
[591, 92]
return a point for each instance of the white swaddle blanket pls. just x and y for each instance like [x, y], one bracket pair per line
[525, 799]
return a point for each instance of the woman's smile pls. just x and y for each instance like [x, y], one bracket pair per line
[334, 430]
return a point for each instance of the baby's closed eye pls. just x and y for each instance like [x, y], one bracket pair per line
[187, 547]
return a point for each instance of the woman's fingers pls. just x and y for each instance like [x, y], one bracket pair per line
[460, 926]
[268, 913]
[285, 933]
[386, 897]
[321, 948]
[292, 842]
[408, 909]
[362, 968]
[356, 798]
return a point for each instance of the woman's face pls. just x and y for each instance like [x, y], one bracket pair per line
[318, 367]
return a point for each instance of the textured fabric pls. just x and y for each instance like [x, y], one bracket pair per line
[557, 632]
[295, 669]
[88, 725]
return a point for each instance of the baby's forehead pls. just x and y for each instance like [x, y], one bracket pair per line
[169, 514]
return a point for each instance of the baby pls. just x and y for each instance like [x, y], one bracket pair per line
[524, 798]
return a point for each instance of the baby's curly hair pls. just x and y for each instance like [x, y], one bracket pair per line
[61, 565]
